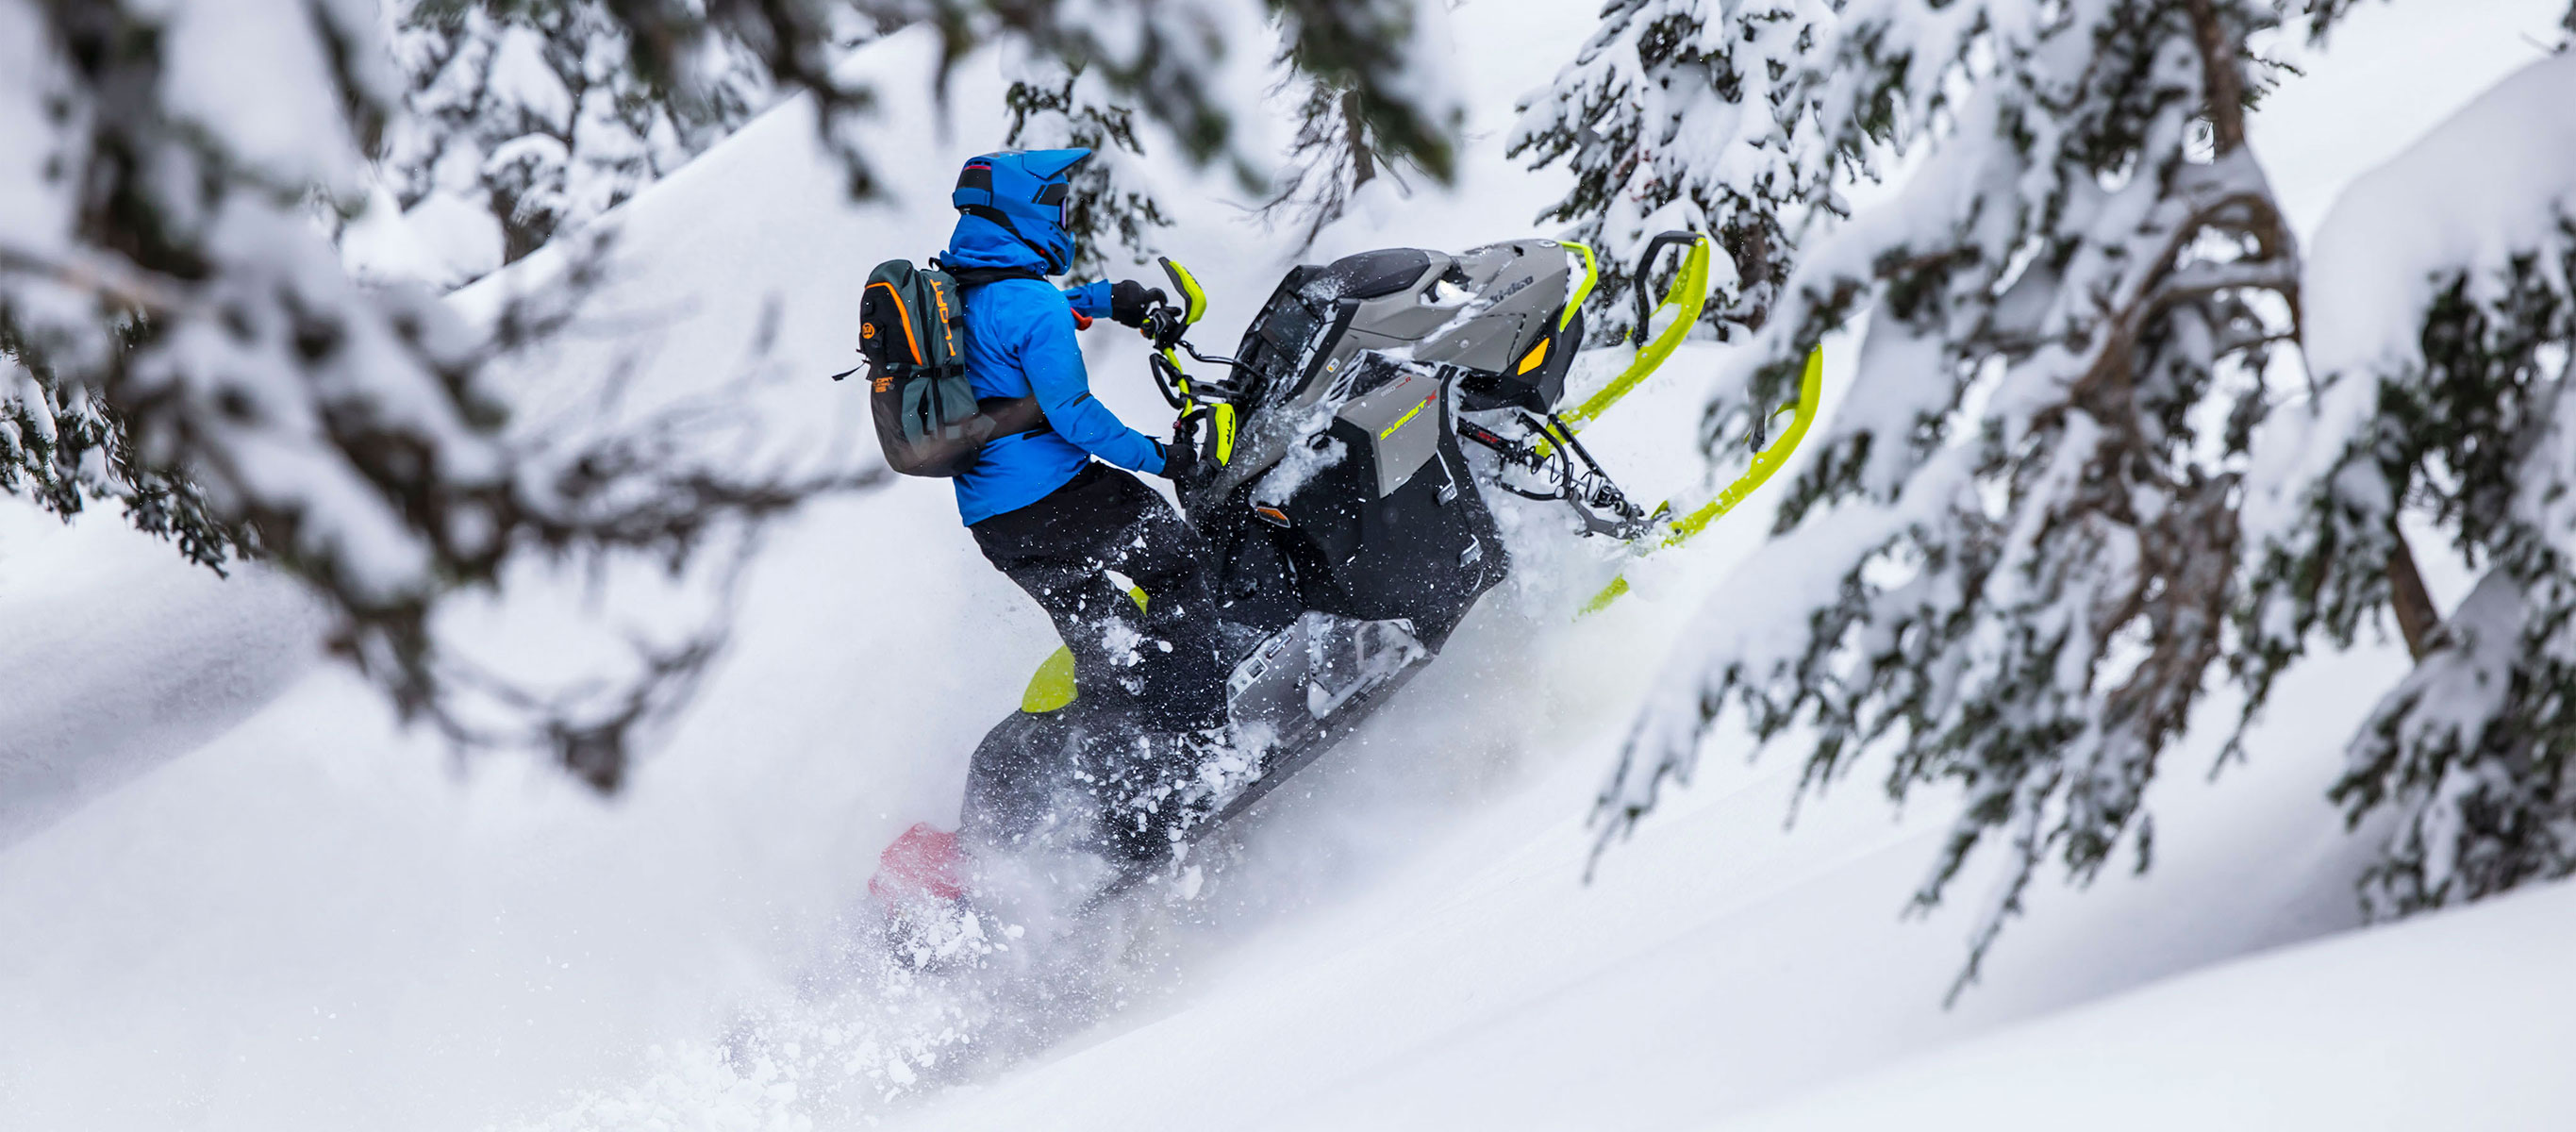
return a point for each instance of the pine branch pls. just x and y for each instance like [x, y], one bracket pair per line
[118, 286]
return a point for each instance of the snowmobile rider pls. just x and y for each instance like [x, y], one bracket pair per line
[1044, 511]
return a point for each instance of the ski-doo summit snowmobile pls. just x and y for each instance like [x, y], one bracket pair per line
[1350, 526]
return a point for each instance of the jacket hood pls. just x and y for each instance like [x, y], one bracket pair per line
[978, 242]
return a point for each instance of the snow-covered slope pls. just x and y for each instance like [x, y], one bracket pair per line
[1716, 962]
[2458, 1021]
[119, 656]
[311, 920]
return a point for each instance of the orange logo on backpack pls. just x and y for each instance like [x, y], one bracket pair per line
[867, 330]
[885, 383]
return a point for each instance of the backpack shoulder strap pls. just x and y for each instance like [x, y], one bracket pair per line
[978, 276]
[1014, 415]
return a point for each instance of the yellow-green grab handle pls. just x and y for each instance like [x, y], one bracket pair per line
[1689, 292]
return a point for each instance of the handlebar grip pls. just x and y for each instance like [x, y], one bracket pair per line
[1164, 327]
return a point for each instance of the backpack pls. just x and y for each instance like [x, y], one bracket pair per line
[912, 331]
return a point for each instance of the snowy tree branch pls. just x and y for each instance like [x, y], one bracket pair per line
[2027, 598]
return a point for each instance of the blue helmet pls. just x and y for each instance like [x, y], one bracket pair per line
[1025, 191]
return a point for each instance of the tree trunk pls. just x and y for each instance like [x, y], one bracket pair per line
[2219, 78]
[2224, 87]
[2416, 618]
[1363, 163]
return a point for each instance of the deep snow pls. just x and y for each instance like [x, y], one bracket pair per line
[2455, 1021]
[311, 920]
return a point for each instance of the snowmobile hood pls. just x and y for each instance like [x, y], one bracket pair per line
[1495, 311]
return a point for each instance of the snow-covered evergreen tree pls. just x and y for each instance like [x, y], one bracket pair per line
[1333, 154]
[1688, 114]
[1364, 106]
[2441, 322]
[62, 449]
[1382, 95]
[180, 337]
[1329, 159]
[1342, 141]
[537, 113]
[2012, 558]
[2109, 429]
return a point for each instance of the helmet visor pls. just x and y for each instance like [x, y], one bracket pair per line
[1057, 194]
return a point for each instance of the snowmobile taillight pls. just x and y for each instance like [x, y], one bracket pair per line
[924, 862]
[1271, 515]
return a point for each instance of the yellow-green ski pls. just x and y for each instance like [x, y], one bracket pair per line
[1765, 462]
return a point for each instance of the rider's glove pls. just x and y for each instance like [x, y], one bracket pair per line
[1130, 301]
[1180, 460]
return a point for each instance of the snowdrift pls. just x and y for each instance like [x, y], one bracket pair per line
[2394, 1028]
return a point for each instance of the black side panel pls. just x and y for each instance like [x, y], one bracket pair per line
[1257, 570]
[1424, 553]
[1538, 390]
[1330, 513]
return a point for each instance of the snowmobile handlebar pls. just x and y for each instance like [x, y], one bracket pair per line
[1164, 327]
[1179, 389]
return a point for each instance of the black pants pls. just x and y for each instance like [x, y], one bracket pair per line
[1167, 658]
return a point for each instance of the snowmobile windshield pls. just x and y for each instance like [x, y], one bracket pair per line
[1282, 341]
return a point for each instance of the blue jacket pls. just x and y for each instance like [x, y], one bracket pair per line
[1019, 342]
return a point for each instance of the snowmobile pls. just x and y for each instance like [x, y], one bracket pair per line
[1351, 529]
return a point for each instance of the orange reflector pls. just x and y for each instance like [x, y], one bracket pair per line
[1272, 515]
[1536, 355]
